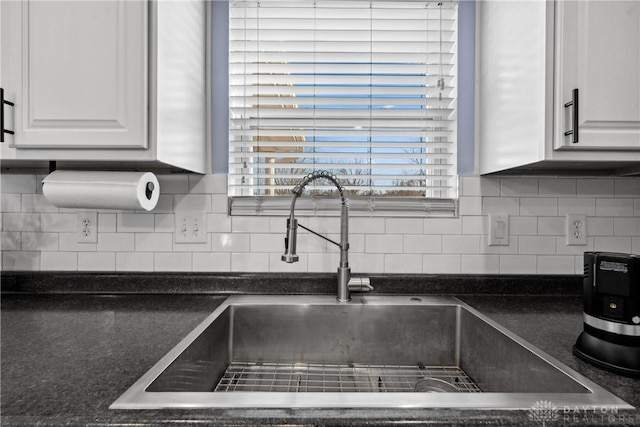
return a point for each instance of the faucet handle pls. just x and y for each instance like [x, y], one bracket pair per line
[359, 284]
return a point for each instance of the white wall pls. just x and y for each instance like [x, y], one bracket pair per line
[38, 236]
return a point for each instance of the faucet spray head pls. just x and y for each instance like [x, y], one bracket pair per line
[290, 255]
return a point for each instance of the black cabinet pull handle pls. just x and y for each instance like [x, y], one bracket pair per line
[2, 102]
[574, 120]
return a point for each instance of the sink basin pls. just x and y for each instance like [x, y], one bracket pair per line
[374, 352]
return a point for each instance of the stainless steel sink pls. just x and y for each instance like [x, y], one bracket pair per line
[374, 352]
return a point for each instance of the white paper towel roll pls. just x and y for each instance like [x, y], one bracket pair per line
[102, 190]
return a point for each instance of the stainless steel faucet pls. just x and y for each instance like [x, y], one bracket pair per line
[346, 283]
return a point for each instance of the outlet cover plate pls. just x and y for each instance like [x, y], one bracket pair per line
[576, 230]
[190, 227]
[87, 227]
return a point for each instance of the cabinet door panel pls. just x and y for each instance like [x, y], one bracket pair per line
[82, 77]
[600, 55]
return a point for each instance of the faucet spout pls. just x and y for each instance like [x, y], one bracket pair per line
[346, 284]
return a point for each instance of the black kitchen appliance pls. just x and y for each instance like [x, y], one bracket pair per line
[611, 336]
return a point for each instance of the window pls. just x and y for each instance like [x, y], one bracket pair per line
[362, 89]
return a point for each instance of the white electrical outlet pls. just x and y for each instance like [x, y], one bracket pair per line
[87, 227]
[191, 227]
[576, 230]
[498, 230]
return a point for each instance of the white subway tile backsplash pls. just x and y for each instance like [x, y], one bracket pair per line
[627, 187]
[613, 244]
[68, 242]
[501, 205]
[422, 244]
[230, 242]
[219, 204]
[129, 223]
[403, 263]
[552, 226]
[60, 261]
[470, 205]
[192, 202]
[107, 223]
[360, 263]
[20, 260]
[536, 245]
[39, 241]
[21, 221]
[519, 187]
[599, 226]
[404, 225]
[523, 226]
[11, 240]
[383, 243]
[116, 242]
[60, 222]
[463, 244]
[211, 262]
[328, 262]
[441, 264]
[518, 264]
[11, 203]
[153, 242]
[443, 225]
[595, 187]
[367, 225]
[163, 261]
[173, 184]
[556, 264]
[557, 187]
[39, 236]
[475, 225]
[543, 206]
[479, 264]
[96, 261]
[511, 248]
[614, 207]
[476, 186]
[134, 261]
[563, 249]
[218, 223]
[580, 205]
[166, 223]
[251, 262]
[207, 184]
[165, 204]
[250, 224]
[626, 226]
[36, 203]
[18, 183]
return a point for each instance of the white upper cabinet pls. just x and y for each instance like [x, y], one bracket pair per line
[599, 54]
[77, 72]
[532, 55]
[91, 81]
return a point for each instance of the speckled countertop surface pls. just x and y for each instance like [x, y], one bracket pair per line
[67, 357]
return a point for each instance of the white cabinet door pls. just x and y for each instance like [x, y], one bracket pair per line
[598, 53]
[77, 72]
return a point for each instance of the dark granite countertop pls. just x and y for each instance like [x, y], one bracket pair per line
[67, 357]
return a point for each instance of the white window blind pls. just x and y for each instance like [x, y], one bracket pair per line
[363, 89]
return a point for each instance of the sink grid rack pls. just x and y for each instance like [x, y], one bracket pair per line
[296, 377]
